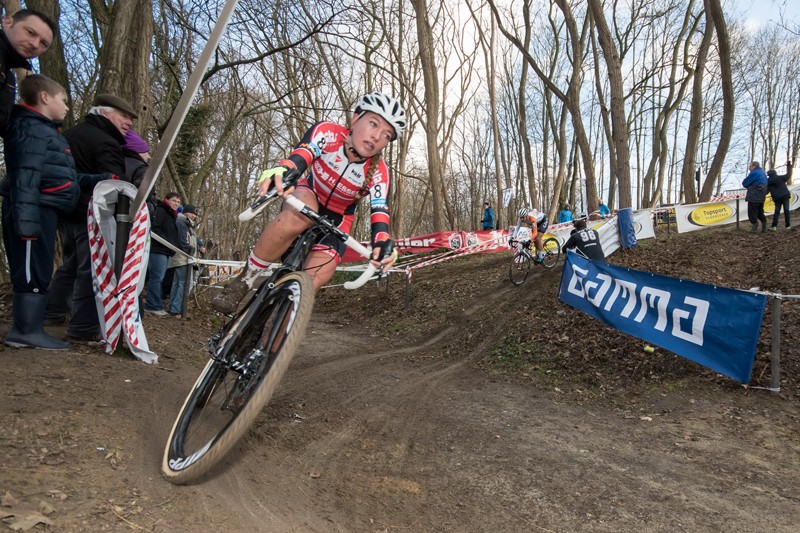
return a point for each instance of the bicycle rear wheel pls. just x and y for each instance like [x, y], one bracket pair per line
[237, 383]
[519, 268]
[552, 252]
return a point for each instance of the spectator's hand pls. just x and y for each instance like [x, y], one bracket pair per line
[275, 175]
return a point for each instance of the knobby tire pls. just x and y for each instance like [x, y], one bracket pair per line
[519, 267]
[552, 252]
[225, 395]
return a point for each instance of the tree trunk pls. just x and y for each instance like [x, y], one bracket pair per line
[618, 120]
[724, 47]
[696, 115]
[124, 58]
[431, 83]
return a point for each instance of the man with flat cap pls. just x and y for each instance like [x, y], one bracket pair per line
[96, 145]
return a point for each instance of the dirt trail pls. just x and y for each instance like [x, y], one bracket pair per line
[409, 428]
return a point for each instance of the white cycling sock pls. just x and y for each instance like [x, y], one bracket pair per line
[255, 268]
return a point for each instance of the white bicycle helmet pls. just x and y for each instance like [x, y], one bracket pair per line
[522, 213]
[385, 106]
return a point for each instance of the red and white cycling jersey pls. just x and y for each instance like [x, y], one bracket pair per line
[339, 183]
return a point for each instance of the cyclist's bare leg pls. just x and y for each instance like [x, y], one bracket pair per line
[271, 245]
[320, 266]
[536, 237]
[538, 242]
[279, 234]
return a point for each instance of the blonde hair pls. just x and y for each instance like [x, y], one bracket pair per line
[373, 164]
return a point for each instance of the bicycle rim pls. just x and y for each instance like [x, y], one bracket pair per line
[233, 388]
[552, 252]
[519, 267]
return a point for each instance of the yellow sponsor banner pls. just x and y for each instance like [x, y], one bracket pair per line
[693, 217]
[711, 214]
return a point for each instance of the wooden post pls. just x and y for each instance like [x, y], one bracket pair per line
[775, 370]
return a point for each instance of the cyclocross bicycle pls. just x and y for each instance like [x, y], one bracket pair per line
[250, 354]
[524, 256]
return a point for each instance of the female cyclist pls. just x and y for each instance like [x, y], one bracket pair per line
[344, 165]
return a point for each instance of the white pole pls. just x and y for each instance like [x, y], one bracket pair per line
[179, 114]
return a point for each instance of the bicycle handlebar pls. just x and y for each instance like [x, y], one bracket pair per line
[362, 250]
[290, 178]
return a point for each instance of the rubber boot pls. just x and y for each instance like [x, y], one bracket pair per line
[764, 227]
[27, 332]
[753, 228]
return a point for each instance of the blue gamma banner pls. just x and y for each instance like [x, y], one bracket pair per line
[713, 326]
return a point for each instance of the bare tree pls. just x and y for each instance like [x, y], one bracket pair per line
[618, 121]
[696, 114]
[723, 43]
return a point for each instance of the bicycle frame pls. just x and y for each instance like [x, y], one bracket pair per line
[293, 262]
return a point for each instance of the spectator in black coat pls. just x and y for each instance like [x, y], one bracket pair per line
[25, 35]
[585, 241]
[163, 225]
[41, 183]
[96, 145]
[780, 195]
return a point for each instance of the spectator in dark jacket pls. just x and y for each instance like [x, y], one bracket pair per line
[96, 145]
[42, 182]
[164, 225]
[137, 160]
[179, 263]
[25, 35]
[137, 157]
[756, 184]
[585, 241]
[780, 195]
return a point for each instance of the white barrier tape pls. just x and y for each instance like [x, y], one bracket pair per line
[191, 259]
[194, 260]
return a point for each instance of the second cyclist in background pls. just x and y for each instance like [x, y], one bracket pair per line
[538, 222]
[344, 165]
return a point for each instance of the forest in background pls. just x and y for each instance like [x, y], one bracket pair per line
[562, 101]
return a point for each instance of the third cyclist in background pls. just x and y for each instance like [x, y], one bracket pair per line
[538, 222]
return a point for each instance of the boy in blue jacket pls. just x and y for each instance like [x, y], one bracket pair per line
[41, 183]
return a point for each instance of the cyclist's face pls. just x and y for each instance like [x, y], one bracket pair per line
[370, 133]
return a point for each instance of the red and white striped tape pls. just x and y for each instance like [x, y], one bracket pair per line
[117, 302]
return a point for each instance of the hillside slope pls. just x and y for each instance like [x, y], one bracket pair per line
[477, 406]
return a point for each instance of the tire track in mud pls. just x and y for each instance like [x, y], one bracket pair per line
[380, 401]
[387, 428]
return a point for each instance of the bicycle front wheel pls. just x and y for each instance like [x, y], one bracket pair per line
[237, 383]
[552, 251]
[519, 268]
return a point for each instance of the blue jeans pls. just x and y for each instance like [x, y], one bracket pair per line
[782, 203]
[178, 286]
[156, 269]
